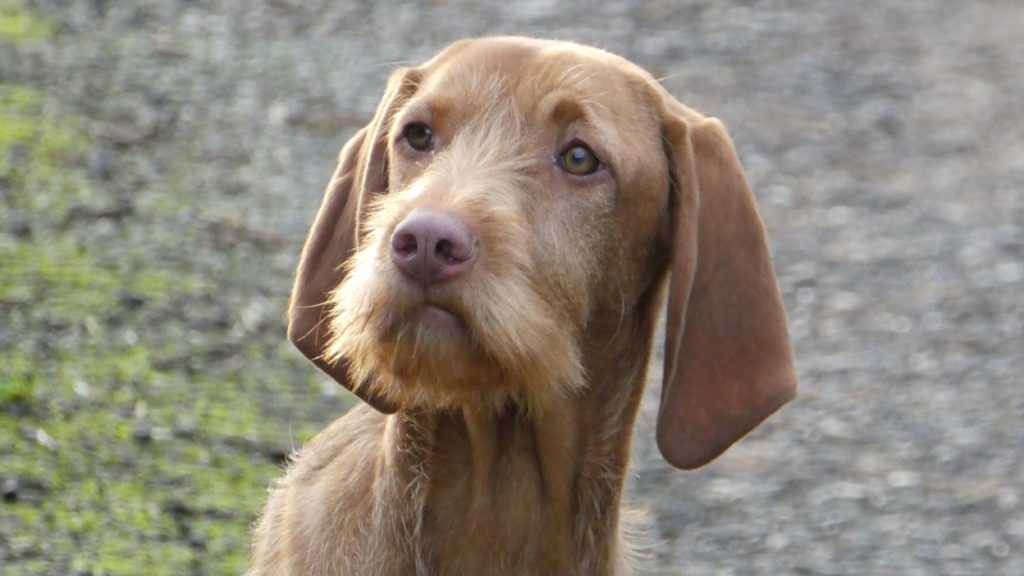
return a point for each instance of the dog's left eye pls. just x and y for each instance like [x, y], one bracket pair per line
[419, 136]
[579, 160]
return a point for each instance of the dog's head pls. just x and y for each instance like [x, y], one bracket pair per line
[509, 197]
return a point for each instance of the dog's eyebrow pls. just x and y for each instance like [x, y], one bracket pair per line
[568, 110]
[423, 107]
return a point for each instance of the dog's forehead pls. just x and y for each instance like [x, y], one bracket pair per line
[546, 86]
[527, 70]
[514, 53]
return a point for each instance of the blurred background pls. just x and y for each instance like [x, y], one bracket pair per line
[160, 161]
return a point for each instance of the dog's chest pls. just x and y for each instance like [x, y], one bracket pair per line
[495, 516]
[508, 531]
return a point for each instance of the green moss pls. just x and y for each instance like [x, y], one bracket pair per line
[36, 150]
[111, 497]
[73, 288]
[18, 377]
[63, 277]
[19, 110]
[20, 456]
[19, 100]
[157, 463]
[23, 123]
[118, 556]
[19, 25]
[226, 545]
[25, 514]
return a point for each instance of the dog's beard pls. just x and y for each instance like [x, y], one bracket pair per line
[503, 342]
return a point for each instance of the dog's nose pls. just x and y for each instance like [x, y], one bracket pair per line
[431, 247]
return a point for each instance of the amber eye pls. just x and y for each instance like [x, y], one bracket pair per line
[579, 160]
[419, 136]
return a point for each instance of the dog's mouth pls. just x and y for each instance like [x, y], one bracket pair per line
[439, 317]
[438, 314]
[450, 342]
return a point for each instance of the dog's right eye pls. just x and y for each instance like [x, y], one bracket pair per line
[419, 136]
[579, 160]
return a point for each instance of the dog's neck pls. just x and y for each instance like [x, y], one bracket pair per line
[528, 486]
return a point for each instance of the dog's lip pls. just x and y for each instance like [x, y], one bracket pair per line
[439, 317]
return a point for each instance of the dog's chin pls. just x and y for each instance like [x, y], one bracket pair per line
[420, 356]
[433, 346]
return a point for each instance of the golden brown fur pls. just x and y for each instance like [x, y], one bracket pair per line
[496, 442]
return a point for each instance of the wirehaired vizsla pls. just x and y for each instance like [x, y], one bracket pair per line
[486, 273]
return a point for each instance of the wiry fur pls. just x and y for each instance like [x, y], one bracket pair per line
[490, 362]
[497, 444]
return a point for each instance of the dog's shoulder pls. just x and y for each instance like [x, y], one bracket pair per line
[360, 431]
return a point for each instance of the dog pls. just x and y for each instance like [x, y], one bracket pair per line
[487, 272]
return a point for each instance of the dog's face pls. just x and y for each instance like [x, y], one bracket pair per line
[547, 163]
[515, 205]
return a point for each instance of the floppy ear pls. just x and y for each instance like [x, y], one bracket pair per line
[334, 237]
[728, 362]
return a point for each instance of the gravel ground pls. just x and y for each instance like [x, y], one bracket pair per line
[883, 141]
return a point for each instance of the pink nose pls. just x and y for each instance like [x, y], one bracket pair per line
[431, 247]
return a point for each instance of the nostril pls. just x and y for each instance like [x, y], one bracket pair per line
[456, 248]
[444, 250]
[405, 244]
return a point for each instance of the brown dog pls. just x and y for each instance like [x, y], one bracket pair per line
[486, 273]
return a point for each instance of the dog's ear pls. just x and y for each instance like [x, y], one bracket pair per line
[335, 235]
[728, 362]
